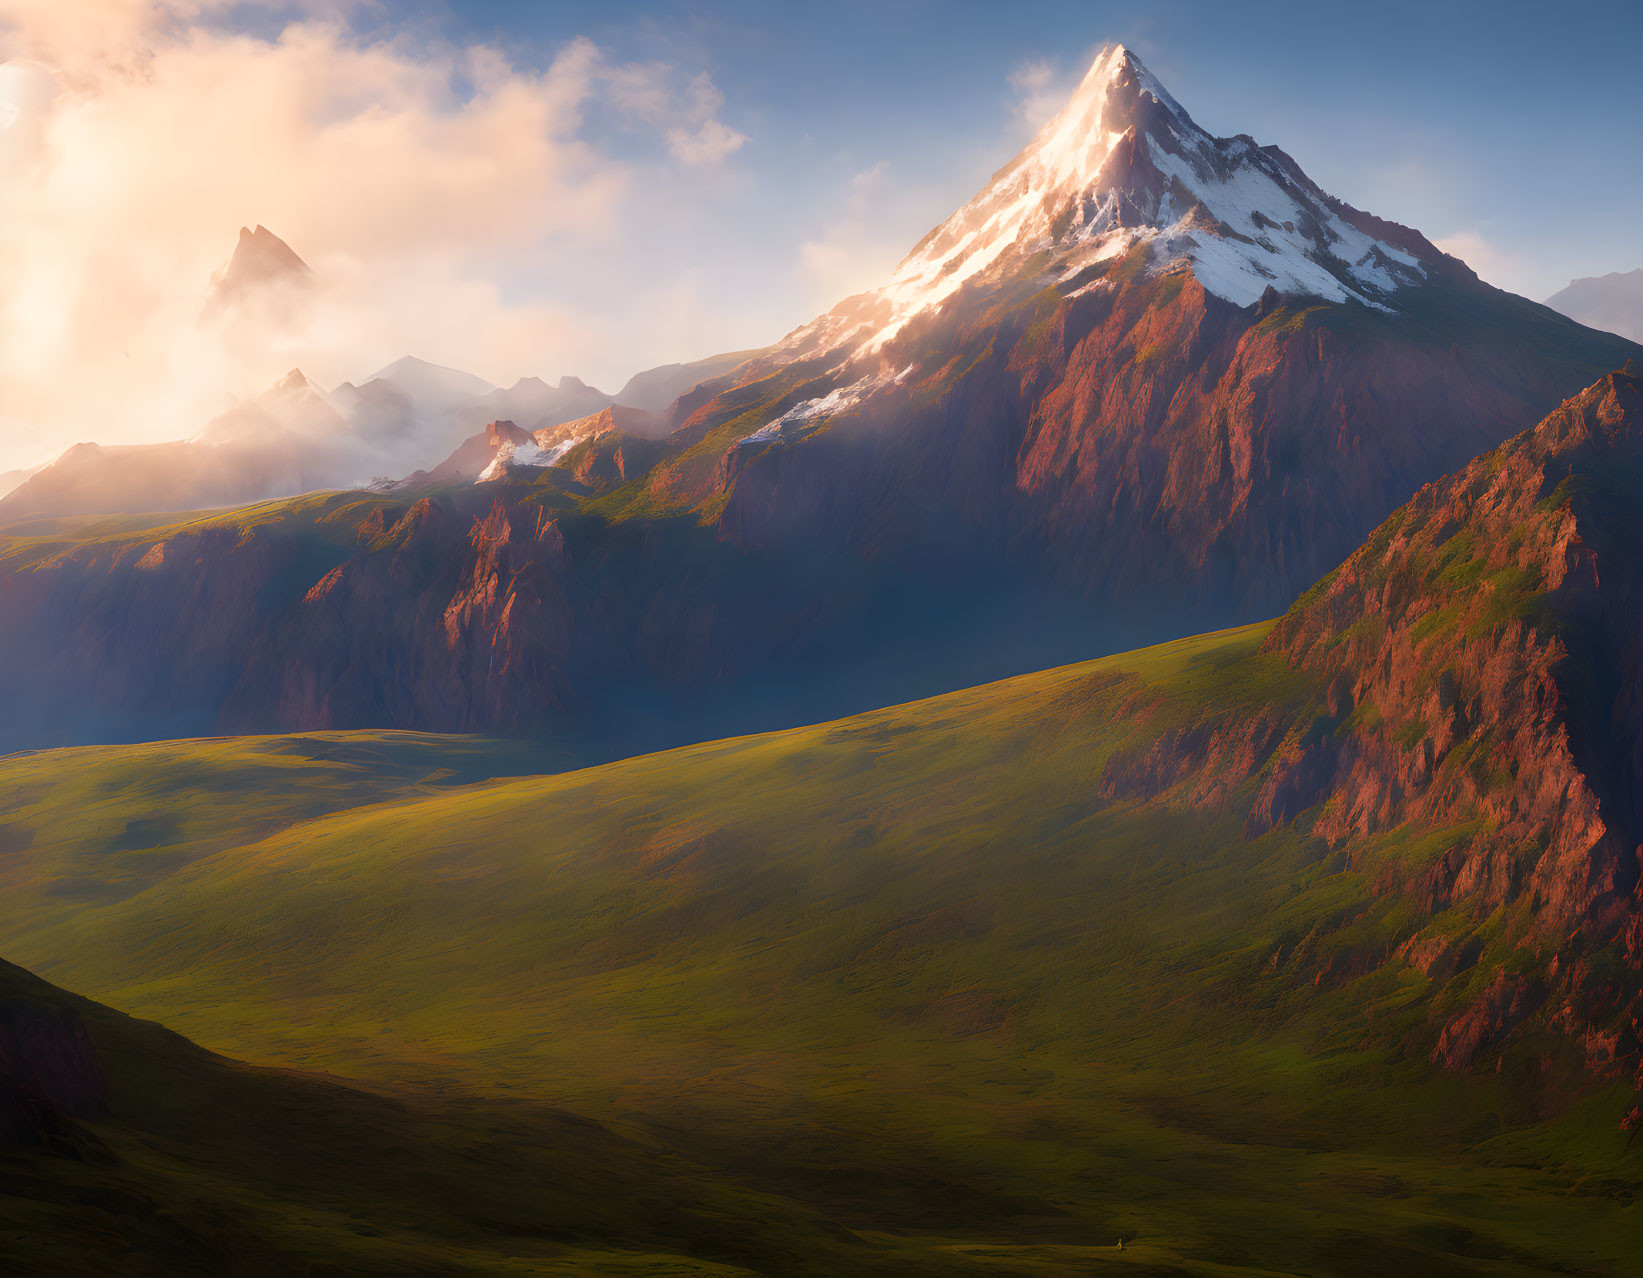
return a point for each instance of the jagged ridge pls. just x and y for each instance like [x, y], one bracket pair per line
[1478, 752]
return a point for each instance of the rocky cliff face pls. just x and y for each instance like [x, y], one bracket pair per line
[467, 605]
[1484, 647]
[1483, 651]
[1140, 439]
[1477, 751]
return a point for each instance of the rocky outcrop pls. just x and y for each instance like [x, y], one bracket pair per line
[612, 458]
[1487, 634]
[1460, 731]
[1209, 761]
[498, 433]
[1482, 655]
[1494, 1014]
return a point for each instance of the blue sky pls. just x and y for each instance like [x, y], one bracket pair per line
[587, 188]
[1517, 125]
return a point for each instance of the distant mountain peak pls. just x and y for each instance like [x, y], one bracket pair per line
[261, 260]
[293, 406]
[1612, 302]
[433, 381]
[1123, 165]
[261, 247]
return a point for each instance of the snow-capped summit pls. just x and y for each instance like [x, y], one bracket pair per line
[1123, 164]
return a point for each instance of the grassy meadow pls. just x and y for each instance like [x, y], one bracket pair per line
[903, 993]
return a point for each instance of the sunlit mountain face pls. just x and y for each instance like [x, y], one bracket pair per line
[1146, 382]
[1122, 165]
[1120, 745]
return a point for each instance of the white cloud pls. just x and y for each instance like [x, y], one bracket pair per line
[853, 252]
[641, 91]
[702, 139]
[421, 184]
[1039, 93]
[654, 94]
[709, 144]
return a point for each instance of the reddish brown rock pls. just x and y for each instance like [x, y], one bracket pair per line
[1499, 1009]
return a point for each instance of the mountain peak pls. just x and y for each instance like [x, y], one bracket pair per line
[1123, 165]
[261, 261]
[1612, 302]
[1118, 100]
[435, 382]
[1117, 89]
[261, 255]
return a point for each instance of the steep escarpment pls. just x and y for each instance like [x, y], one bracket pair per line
[1484, 644]
[1471, 749]
[1135, 438]
[439, 616]
[507, 606]
[109, 637]
[1484, 649]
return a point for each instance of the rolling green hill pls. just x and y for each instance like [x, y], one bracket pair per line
[125, 1149]
[947, 977]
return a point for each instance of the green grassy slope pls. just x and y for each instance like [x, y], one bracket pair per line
[194, 1164]
[913, 972]
[327, 517]
[119, 819]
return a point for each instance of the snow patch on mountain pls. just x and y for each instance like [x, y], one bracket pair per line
[1263, 239]
[529, 455]
[811, 411]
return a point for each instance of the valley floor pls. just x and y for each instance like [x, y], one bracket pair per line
[928, 990]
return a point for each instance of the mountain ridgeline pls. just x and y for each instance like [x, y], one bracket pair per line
[1147, 382]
